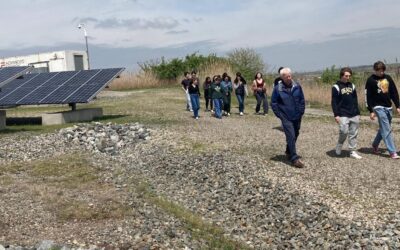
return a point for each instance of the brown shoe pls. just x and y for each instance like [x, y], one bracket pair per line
[298, 164]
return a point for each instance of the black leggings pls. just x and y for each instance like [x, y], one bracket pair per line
[261, 97]
[208, 99]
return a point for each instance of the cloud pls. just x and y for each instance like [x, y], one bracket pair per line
[364, 33]
[159, 23]
[176, 32]
[85, 20]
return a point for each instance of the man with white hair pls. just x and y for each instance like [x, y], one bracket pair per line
[288, 104]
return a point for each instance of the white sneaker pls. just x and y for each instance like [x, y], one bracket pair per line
[197, 117]
[353, 154]
[394, 156]
[338, 149]
[228, 114]
[241, 113]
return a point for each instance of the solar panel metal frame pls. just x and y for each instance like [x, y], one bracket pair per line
[24, 69]
[104, 85]
[63, 84]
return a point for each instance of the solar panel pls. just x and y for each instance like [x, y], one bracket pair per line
[57, 88]
[8, 74]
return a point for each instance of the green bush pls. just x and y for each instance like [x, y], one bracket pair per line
[247, 61]
[332, 75]
[172, 69]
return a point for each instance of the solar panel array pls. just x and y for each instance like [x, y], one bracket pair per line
[57, 87]
[8, 74]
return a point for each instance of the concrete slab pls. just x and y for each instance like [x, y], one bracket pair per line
[2, 119]
[80, 115]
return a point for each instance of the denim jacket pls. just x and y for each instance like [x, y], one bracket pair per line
[227, 86]
[288, 102]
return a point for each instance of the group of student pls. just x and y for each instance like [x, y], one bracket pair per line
[288, 104]
[218, 93]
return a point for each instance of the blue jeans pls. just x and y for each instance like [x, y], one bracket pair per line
[195, 100]
[385, 129]
[218, 103]
[240, 99]
[292, 131]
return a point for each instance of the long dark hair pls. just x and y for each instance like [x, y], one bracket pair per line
[238, 74]
[255, 77]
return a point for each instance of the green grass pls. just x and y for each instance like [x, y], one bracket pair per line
[137, 107]
[68, 171]
[152, 107]
[6, 180]
[33, 129]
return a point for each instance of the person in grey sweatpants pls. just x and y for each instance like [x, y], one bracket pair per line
[346, 112]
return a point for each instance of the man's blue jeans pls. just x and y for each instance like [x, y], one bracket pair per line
[385, 129]
[218, 103]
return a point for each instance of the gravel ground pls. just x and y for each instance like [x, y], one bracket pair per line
[232, 172]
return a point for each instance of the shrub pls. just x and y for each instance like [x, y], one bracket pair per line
[174, 68]
[247, 61]
[330, 75]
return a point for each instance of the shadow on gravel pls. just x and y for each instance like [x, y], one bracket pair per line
[278, 128]
[109, 117]
[331, 153]
[368, 151]
[281, 158]
[18, 129]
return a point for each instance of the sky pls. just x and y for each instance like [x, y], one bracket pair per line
[304, 35]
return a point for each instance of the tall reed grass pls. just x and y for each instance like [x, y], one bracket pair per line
[142, 79]
[215, 68]
[317, 94]
[138, 80]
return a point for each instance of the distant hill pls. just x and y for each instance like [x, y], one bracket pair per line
[391, 68]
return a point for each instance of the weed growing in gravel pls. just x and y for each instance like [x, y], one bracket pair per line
[200, 229]
[68, 187]
[73, 209]
[67, 171]
[6, 180]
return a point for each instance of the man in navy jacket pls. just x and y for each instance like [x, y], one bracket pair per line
[288, 104]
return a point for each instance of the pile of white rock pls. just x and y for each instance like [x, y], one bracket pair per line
[107, 138]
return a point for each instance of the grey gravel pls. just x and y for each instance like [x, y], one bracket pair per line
[254, 195]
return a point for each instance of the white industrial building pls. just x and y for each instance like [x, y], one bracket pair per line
[67, 60]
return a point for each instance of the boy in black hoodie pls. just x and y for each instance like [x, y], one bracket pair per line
[381, 91]
[346, 112]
